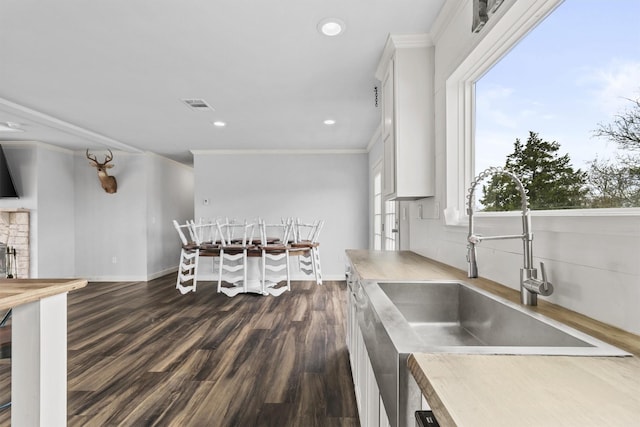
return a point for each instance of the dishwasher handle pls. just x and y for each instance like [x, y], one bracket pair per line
[426, 419]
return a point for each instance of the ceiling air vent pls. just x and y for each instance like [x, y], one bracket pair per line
[198, 104]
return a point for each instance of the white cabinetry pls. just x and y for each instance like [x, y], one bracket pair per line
[406, 74]
[370, 407]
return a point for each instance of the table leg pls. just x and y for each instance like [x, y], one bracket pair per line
[254, 274]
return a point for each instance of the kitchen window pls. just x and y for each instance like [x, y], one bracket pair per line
[497, 41]
[553, 91]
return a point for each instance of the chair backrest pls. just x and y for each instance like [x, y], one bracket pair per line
[316, 234]
[280, 232]
[180, 229]
[229, 232]
[228, 229]
[203, 231]
[305, 232]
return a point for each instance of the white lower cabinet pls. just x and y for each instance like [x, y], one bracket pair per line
[370, 407]
[372, 399]
[384, 420]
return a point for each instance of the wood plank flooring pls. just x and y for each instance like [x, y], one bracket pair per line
[141, 354]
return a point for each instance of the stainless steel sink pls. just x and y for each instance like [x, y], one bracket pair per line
[400, 318]
[455, 317]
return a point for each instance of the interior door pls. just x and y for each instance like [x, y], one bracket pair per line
[386, 224]
[391, 226]
[377, 207]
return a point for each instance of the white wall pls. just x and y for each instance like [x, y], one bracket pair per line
[593, 261]
[272, 185]
[111, 234]
[169, 196]
[129, 235]
[55, 225]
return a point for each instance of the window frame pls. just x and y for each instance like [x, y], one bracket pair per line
[494, 42]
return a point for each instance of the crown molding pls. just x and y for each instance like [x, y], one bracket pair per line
[61, 125]
[400, 41]
[37, 144]
[300, 152]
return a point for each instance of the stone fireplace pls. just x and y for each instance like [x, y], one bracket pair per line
[14, 234]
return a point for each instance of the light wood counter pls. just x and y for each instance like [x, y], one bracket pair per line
[39, 348]
[491, 390]
[504, 390]
[14, 292]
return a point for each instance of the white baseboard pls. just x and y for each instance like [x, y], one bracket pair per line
[132, 278]
[202, 275]
[209, 276]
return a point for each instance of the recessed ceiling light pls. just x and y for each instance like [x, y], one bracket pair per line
[331, 27]
[10, 127]
[329, 122]
[219, 124]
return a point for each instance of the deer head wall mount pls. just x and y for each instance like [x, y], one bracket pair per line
[109, 183]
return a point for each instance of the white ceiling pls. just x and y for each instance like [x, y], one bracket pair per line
[111, 74]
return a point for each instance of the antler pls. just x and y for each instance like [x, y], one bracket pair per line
[93, 159]
[107, 158]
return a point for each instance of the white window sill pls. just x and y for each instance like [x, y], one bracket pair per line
[452, 219]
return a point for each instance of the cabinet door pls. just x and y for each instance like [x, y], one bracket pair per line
[388, 133]
[350, 310]
[384, 420]
[360, 375]
[372, 399]
[352, 327]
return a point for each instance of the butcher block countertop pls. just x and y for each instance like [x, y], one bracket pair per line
[505, 390]
[14, 292]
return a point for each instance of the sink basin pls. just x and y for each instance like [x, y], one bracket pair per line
[400, 318]
[455, 317]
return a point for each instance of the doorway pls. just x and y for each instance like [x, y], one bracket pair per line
[386, 226]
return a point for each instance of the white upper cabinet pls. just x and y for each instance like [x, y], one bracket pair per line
[406, 75]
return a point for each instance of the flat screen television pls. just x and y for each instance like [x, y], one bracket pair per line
[7, 189]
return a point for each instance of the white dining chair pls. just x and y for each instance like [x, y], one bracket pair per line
[307, 244]
[235, 241]
[274, 247]
[205, 235]
[188, 262]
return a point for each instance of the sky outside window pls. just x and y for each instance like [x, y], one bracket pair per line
[572, 72]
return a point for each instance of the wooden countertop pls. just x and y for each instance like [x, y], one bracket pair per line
[492, 391]
[506, 390]
[14, 292]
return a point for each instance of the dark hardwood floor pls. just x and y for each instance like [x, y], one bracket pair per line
[141, 354]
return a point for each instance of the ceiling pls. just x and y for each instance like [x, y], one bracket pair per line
[112, 74]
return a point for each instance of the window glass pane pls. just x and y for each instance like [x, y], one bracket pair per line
[550, 110]
[390, 225]
[377, 210]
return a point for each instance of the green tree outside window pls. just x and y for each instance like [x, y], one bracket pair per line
[549, 177]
